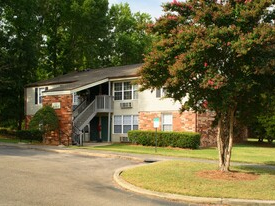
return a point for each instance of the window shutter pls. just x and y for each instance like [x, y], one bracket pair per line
[36, 96]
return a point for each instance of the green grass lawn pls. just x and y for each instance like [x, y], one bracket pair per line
[181, 177]
[249, 152]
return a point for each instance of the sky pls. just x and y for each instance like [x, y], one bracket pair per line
[152, 7]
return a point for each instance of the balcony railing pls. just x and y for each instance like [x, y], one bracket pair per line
[102, 103]
[80, 108]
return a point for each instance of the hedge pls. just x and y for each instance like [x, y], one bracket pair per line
[8, 132]
[164, 139]
[30, 135]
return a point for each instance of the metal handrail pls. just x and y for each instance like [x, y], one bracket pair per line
[79, 109]
[102, 103]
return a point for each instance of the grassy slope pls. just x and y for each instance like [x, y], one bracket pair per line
[249, 152]
[181, 178]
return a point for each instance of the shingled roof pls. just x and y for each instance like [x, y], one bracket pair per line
[75, 80]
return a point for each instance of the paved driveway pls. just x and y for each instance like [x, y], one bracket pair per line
[31, 177]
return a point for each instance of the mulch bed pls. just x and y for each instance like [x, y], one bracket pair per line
[232, 175]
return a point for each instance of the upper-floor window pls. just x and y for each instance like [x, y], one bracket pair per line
[76, 100]
[125, 91]
[160, 92]
[38, 94]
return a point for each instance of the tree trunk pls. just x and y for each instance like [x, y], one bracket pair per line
[220, 142]
[230, 141]
[225, 140]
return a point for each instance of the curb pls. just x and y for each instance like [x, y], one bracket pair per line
[182, 198]
[73, 152]
[117, 178]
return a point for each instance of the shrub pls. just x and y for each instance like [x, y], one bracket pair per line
[4, 131]
[164, 139]
[45, 119]
[30, 135]
[7, 132]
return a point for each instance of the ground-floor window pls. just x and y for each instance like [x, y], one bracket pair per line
[124, 123]
[167, 122]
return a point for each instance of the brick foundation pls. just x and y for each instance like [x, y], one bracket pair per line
[27, 121]
[65, 119]
[189, 121]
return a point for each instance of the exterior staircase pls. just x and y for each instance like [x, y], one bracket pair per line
[84, 113]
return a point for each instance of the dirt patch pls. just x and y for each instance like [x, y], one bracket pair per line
[232, 175]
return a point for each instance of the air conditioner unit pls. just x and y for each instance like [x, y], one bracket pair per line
[124, 139]
[125, 105]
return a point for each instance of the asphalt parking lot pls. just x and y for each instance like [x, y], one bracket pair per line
[32, 177]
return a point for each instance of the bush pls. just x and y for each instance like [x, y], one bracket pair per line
[30, 135]
[4, 131]
[7, 132]
[164, 139]
[45, 119]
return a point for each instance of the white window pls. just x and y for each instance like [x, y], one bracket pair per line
[40, 91]
[75, 99]
[127, 123]
[117, 124]
[167, 122]
[38, 94]
[124, 123]
[125, 91]
[160, 92]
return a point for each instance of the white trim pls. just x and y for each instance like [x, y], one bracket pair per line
[123, 79]
[123, 91]
[56, 93]
[40, 94]
[163, 123]
[90, 85]
[77, 89]
[122, 124]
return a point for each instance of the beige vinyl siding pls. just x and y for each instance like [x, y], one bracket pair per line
[31, 107]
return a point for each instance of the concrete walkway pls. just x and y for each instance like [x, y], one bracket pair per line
[143, 158]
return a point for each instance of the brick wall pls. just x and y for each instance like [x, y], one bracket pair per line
[204, 126]
[65, 119]
[187, 121]
[181, 122]
[27, 121]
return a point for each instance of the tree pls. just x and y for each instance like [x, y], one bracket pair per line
[72, 34]
[218, 53]
[19, 54]
[128, 39]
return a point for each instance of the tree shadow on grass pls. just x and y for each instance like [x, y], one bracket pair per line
[257, 169]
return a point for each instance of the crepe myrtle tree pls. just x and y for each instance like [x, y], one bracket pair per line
[218, 53]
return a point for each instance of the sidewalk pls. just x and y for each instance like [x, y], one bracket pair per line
[143, 158]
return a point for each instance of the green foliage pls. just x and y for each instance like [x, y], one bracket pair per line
[218, 53]
[19, 53]
[165, 139]
[73, 32]
[128, 39]
[43, 39]
[30, 135]
[45, 119]
[266, 120]
[225, 56]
